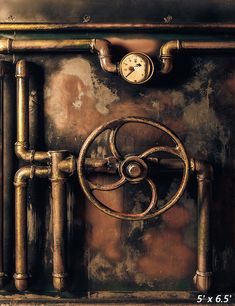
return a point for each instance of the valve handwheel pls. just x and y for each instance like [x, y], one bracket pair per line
[132, 168]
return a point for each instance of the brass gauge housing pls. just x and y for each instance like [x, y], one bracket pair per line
[136, 68]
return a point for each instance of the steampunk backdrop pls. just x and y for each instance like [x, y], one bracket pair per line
[71, 96]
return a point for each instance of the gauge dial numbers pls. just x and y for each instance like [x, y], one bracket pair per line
[136, 68]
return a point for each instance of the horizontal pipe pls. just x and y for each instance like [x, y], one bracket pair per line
[48, 45]
[111, 165]
[100, 46]
[168, 49]
[130, 27]
[22, 175]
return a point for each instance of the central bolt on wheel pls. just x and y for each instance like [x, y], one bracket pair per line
[132, 169]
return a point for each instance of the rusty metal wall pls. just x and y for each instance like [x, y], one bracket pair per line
[163, 11]
[72, 96]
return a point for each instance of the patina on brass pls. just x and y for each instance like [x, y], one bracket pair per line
[22, 175]
[22, 145]
[203, 277]
[168, 49]
[100, 46]
[120, 27]
[132, 161]
[59, 217]
[60, 165]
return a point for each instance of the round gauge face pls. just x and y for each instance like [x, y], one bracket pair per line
[136, 68]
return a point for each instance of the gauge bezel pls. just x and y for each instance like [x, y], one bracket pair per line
[150, 62]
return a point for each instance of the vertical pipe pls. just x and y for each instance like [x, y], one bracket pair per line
[22, 105]
[203, 277]
[59, 217]
[21, 264]
[2, 72]
[22, 145]
[9, 136]
[21, 270]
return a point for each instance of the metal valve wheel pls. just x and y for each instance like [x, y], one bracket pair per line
[132, 169]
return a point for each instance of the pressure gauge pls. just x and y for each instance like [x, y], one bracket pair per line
[136, 68]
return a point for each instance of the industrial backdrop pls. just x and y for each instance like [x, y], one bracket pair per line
[62, 77]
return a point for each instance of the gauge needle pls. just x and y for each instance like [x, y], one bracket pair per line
[134, 68]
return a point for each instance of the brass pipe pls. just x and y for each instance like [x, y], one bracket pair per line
[22, 145]
[168, 49]
[203, 276]
[59, 217]
[126, 27]
[111, 165]
[20, 182]
[100, 46]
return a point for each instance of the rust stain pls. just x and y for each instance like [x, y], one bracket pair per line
[176, 217]
[149, 46]
[168, 257]
[104, 235]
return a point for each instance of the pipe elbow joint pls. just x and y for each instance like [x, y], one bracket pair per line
[102, 47]
[166, 55]
[6, 45]
[23, 174]
[23, 153]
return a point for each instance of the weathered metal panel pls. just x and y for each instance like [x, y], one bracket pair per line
[71, 96]
[163, 11]
[107, 254]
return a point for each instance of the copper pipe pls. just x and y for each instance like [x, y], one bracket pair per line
[168, 49]
[22, 175]
[100, 46]
[22, 145]
[59, 217]
[203, 277]
[124, 27]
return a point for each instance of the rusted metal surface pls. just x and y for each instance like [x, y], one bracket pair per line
[82, 86]
[191, 101]
[60, 161]
[173, 11]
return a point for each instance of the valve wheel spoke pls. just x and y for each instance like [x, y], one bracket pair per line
[172, 150]
[132, 168]
[107, 187]
[113, 143]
